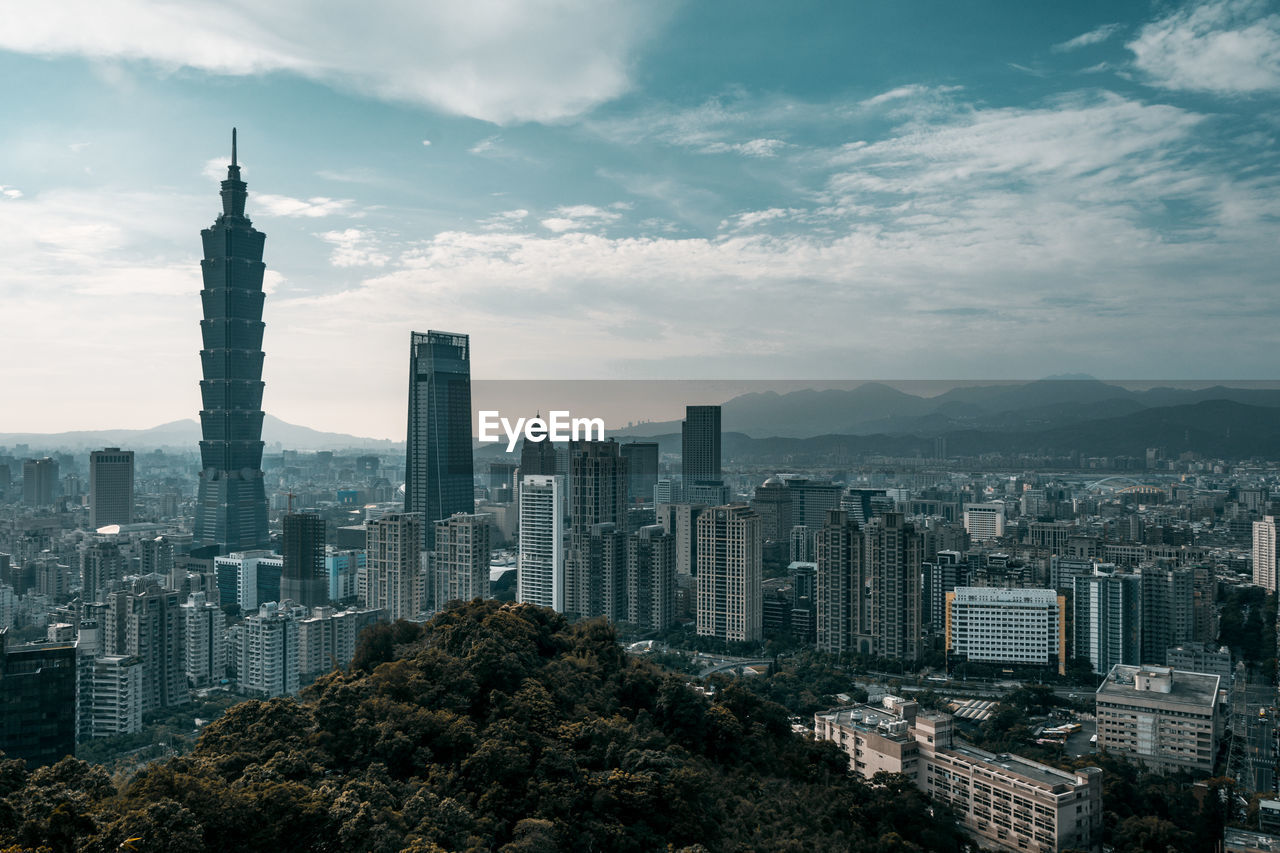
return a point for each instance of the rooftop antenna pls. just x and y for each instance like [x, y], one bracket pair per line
[233, 146]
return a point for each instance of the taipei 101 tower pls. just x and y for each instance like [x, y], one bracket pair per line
[231, 511]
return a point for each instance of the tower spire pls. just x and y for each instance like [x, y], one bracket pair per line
[233, 146]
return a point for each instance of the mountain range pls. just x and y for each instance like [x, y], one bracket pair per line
[186, 434]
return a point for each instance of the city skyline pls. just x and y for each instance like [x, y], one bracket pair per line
[1084, 189]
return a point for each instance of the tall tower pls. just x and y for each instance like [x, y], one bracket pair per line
[729, 573]
[700, 445]
[231, 511]
[303, 579]
[438, 473]
[110, 487]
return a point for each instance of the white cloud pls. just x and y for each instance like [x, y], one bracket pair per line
[10, 192]
[1095, 36]
[497, 60]
[504, 219]
[1227, 47]
[426, 142]
[354, 248]
[577, 217]
[283, 205]
[752, 148]
[215, 169]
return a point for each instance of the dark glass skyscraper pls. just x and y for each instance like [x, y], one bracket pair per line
[231, 511]
[302, 576]
[700, 445]
[438, 472]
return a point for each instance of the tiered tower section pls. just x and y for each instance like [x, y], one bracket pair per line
[232, 503]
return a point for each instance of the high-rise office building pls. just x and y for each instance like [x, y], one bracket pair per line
[461, 559]
[540, 569]
[204, 641]
[642, 470]
[840, 584]
[37, 701]
[597, 495]
[893, 553]
[729, 573]
[394, 579]
[303, 578]
[700, 445]
[110, 487]
[1266, 556]
[438, 469]
[231, 505]
[39, 481]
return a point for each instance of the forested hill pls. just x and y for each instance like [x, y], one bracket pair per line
[495, 728]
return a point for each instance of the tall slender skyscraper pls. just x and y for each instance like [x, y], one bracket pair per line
[438, 474]
[231, 510]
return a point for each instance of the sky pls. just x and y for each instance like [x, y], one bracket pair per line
[723, 189]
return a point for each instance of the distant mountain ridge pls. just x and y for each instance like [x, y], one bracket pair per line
[876, 408]
[276, 433]
[1212, 428]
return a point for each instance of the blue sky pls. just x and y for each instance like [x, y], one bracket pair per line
[642, 190]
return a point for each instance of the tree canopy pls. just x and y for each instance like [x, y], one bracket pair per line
[493, 727]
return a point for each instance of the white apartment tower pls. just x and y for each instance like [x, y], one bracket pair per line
[540, 569]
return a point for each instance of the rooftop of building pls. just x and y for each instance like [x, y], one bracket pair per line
[1250, 839]
[1160, 684]
[1040, 774]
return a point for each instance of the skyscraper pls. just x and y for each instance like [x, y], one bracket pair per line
[394, 567]
[1108, 620]
[39, 481]
[146, 621]
[540, 571]
[1266, 556]
[700, 445]
[461, 560]
[438, 472]
[840, 581]
[729, 573]
[893, 553]
[597, 495]
[231, 506]
[303, 578]
[651, 578]
[37, 701]
[110, 487]
[642, 470]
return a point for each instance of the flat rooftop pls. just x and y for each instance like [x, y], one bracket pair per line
[1041, 774]
[1186, 688]
[867, 718]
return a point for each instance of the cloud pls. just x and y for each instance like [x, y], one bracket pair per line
[426, 142]
[1226, 47]
[215, 169]
[753, 148]
[354, 248]
[497, 60]
[489, 143]
[504, 219]
[1095, 36]
[579, 216]
[10, 192]
[283, 205]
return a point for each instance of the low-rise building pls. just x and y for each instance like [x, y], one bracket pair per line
[1166, 719]
[1006, 801]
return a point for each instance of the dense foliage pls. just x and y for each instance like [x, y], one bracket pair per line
[494, 727]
